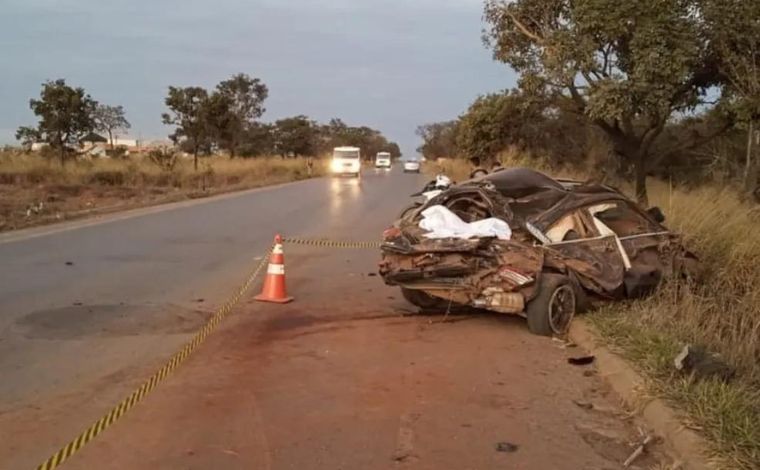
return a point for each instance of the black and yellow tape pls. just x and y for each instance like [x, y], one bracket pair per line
[331, 243]
[135, 397]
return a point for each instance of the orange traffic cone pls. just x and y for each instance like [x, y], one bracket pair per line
[274, 283]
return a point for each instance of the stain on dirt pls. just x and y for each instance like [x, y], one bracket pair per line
[111, 320]
[289, 322]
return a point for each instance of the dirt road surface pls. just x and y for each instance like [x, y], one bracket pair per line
[343, 378]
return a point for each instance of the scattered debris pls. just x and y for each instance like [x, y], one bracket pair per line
[581, 360]
[563, 343]
[371, 274]
[34, 209]
[69, 263]
[701, 363]
[505, 446]
[639, 450]
[586, 405]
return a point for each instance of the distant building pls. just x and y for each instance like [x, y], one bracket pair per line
[130, 144]
[92, 139]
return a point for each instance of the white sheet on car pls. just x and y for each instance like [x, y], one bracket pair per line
[440, 222]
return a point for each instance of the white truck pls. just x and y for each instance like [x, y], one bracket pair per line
[383, 160]
[346, 161]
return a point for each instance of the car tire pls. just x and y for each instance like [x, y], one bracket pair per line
[552, 310]
[424, 300]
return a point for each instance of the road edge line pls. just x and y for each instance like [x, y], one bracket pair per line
[685, 444]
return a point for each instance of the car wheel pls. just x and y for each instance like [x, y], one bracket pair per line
[424, 300]
[553, 309]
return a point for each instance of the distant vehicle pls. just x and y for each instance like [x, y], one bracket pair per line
[411, 166]
[383, 160]
[346, 161]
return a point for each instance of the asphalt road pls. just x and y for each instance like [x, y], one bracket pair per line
[80, 304]
[343, 377]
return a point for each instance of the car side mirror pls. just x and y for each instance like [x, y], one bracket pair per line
[657, 214]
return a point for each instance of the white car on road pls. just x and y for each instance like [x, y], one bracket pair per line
[383, 160]
[346, 161]
[412, 166]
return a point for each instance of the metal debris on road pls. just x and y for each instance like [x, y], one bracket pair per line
[586, 405]
[505, 446]
[639, 450]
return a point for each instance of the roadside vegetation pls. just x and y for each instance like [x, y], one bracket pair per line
[72, 162]
[36, 190]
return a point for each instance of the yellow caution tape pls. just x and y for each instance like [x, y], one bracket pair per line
[126, 404]
[331, 243]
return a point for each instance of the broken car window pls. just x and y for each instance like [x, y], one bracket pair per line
[569, 227]
[622, 219]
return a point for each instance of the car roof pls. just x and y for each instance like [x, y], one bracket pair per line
[519, 182]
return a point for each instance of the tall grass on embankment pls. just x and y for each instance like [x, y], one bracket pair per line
[720, 311]
[36, 190]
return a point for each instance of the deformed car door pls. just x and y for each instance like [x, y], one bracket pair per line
[595, 259]
[647, 245]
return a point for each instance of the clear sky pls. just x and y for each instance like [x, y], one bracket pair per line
[388, 64]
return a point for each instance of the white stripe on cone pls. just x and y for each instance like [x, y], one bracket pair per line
[276, 269]
[277, 249]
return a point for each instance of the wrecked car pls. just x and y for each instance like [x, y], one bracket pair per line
[520, 242]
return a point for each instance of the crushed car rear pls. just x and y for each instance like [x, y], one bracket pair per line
[563, 246]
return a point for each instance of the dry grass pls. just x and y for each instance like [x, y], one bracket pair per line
[35, 190]
[722, 312]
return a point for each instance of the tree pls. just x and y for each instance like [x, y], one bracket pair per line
[239, 101]
[296, 136]
[28, 136]
[188, 107]
[495, 121]
[110, 119]
[394, 150]
[258, 139]
[438, 140]
[65, 115]
[626, 67]
[735, 36]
